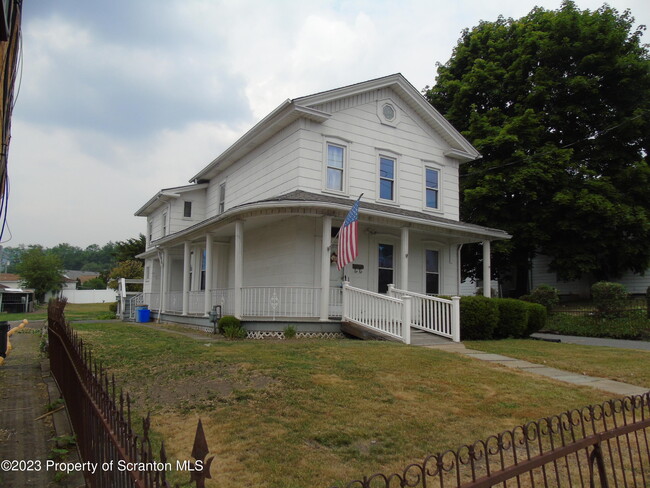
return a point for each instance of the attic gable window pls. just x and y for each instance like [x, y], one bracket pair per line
[335, 167]
[187, 209]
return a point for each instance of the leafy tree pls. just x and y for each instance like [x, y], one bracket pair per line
[41, 271]
[129, 249]
[133, 269]
[558, 104]
[94, 284]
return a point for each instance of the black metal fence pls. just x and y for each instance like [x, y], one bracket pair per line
[114, 455]
[604, 445]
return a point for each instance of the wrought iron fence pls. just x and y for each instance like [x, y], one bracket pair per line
[602, 445]
[101, 419]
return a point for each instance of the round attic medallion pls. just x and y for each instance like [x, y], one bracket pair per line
[388, 111]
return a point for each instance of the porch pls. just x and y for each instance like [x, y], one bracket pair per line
[267, 310]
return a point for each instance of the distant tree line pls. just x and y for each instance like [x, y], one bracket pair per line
[41, 268]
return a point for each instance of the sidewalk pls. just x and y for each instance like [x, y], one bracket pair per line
[595, 341]
[610, 386]
[24, 397]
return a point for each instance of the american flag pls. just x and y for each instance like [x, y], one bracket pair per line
[349, 237]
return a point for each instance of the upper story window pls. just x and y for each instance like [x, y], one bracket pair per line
[432, 187]
[335, 167]
[150, 229]
[222, 197]
[386, 178]
[187, 209]
[164, 224]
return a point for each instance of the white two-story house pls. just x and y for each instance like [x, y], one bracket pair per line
[254, 231]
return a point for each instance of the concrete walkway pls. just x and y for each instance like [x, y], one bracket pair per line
[595, 341]
[610, 386]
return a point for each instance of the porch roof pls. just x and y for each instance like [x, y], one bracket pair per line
[302, 200]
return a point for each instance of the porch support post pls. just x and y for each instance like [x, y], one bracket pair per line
[239, 266]
[406, 319]
[164, 277]
[404, 260]
[487, 270]
[186, 277]
[325, 268]
[208, 274]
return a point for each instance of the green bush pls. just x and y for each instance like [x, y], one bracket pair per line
[478, 318]
[633, 325]
[228, 320]
[290, 332]
[608, 297]
[545, 295]
[513, 318]
[112, 307]
[232, 331]
[537, 316]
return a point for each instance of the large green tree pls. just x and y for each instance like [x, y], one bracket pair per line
[41, 271]
[558, 104]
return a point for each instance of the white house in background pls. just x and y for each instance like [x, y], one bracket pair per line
[540, 275]
[254, 230]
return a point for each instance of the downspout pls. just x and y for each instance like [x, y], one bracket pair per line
[458, 281]
[162, 273]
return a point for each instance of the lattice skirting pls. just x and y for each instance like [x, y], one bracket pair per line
[267, 334]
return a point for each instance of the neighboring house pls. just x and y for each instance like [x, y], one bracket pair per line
[16, 300]
[540, 275]
[254, 231]
[10, 280]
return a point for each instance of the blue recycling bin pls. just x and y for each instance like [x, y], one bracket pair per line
[143, 314]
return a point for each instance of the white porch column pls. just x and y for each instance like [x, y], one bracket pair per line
[186, 277]
[487, 270]
[164, 280]
[239, 266]
[325, 268]
[208, 274]
[404, 260]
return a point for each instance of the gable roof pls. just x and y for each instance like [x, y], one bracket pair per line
[165, 195]
[291, 110]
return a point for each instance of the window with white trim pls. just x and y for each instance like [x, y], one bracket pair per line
[187, 209]
[432, 187]
[164, 224]
[387, 178]
[335, 167]
[432, 272]
[222, 197]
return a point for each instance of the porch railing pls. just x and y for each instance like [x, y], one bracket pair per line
[280, 301]
[388, 315]
[224, 297]
[432, 314]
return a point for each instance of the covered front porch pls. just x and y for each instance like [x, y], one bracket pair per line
[276, 261]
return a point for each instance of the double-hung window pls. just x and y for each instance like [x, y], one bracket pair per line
[164, 224]
[432, 188]
[187, 209]
[386, 178]
[432, 272]
[222, 197]
[335, 167]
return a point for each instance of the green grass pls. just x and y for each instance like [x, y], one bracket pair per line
[316, 412]
[629, 366]
[73, 311]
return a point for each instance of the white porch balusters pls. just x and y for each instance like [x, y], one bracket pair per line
[404, 259]
[325, 268]
[186, 277]
[208, 274]
[239, 266]
[487, 274]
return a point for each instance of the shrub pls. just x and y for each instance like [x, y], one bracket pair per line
[634, 325]
[513, 318]
[290, 332]
[608, 297]
[234, 331]
[227, 320]
[478, 318]
[112, 307]
[545, 295]
[537, 316]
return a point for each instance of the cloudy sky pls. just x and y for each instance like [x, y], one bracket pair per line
[119, 99]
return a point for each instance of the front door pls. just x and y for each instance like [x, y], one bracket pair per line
[385, 267]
